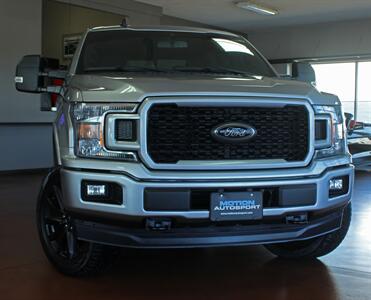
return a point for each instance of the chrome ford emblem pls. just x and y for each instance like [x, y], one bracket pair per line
[233, 132]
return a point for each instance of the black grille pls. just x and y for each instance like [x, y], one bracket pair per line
[184, 133]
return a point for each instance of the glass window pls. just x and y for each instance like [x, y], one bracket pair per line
[338, 79]
[140, 51]
[364, 92]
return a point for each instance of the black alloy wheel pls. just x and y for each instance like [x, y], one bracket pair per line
[57, 234]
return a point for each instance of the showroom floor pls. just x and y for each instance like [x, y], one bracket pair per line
[224, 273]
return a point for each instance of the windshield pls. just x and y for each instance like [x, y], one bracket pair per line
[166, 51]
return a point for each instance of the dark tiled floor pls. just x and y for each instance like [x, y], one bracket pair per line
[228, 273]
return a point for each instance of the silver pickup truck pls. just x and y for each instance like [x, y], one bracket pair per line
[169, 137]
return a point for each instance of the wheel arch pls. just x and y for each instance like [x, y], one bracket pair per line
[52, 175]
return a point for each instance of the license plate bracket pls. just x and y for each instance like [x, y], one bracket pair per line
[236, 206]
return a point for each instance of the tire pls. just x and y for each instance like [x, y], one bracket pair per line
[316, 247]
[65, 252]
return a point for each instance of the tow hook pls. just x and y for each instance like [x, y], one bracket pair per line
[155, 224]
[297, 219]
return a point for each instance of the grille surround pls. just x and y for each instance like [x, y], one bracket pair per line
[231, 163]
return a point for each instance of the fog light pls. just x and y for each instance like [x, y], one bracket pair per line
[101, 192]
[96, 190]
[336, 184]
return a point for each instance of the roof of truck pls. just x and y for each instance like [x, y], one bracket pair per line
[163, 28]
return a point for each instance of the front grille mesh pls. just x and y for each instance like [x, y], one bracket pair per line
[176, 133]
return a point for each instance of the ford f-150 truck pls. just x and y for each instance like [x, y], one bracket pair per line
[169, 137]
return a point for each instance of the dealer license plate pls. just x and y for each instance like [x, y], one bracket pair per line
[236, 206]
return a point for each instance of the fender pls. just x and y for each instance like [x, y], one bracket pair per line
[53, 175]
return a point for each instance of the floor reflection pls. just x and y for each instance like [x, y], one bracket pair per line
[230, 273]
[222, 273]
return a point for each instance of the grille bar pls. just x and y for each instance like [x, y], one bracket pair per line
[183, 133]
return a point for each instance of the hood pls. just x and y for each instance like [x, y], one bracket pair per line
[120, 88]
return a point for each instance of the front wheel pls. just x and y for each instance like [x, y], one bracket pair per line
[69, 255]
[316, 247]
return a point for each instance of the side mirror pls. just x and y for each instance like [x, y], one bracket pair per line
[348, 119]
[283, 69]
[303, 71]
[289, 69]
[34, 74]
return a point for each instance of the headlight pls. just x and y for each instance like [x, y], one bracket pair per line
[88, 124]
[337, 140]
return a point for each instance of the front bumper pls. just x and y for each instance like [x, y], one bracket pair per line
[213, 236]
[90, 227]
[133, 194]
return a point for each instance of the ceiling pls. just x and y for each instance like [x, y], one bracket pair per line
[223, 13]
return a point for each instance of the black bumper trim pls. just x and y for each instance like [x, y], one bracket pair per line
[213, 236]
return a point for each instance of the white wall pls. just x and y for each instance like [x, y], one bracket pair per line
[26, 146]
[23, 144]
[138, 13]
[20, 32]
[328, 39]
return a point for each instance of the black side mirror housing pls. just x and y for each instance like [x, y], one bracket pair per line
[348, 121]
[290, 69]
[303, 71]
[27, 78]
[348, 118]
[283, 69]
[32, 73]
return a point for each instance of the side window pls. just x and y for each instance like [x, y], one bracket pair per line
[364, 92]
[351, 82]
[338, 79]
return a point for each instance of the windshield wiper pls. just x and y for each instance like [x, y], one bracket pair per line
[122, 69]
[212, 70]
[208, 70]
